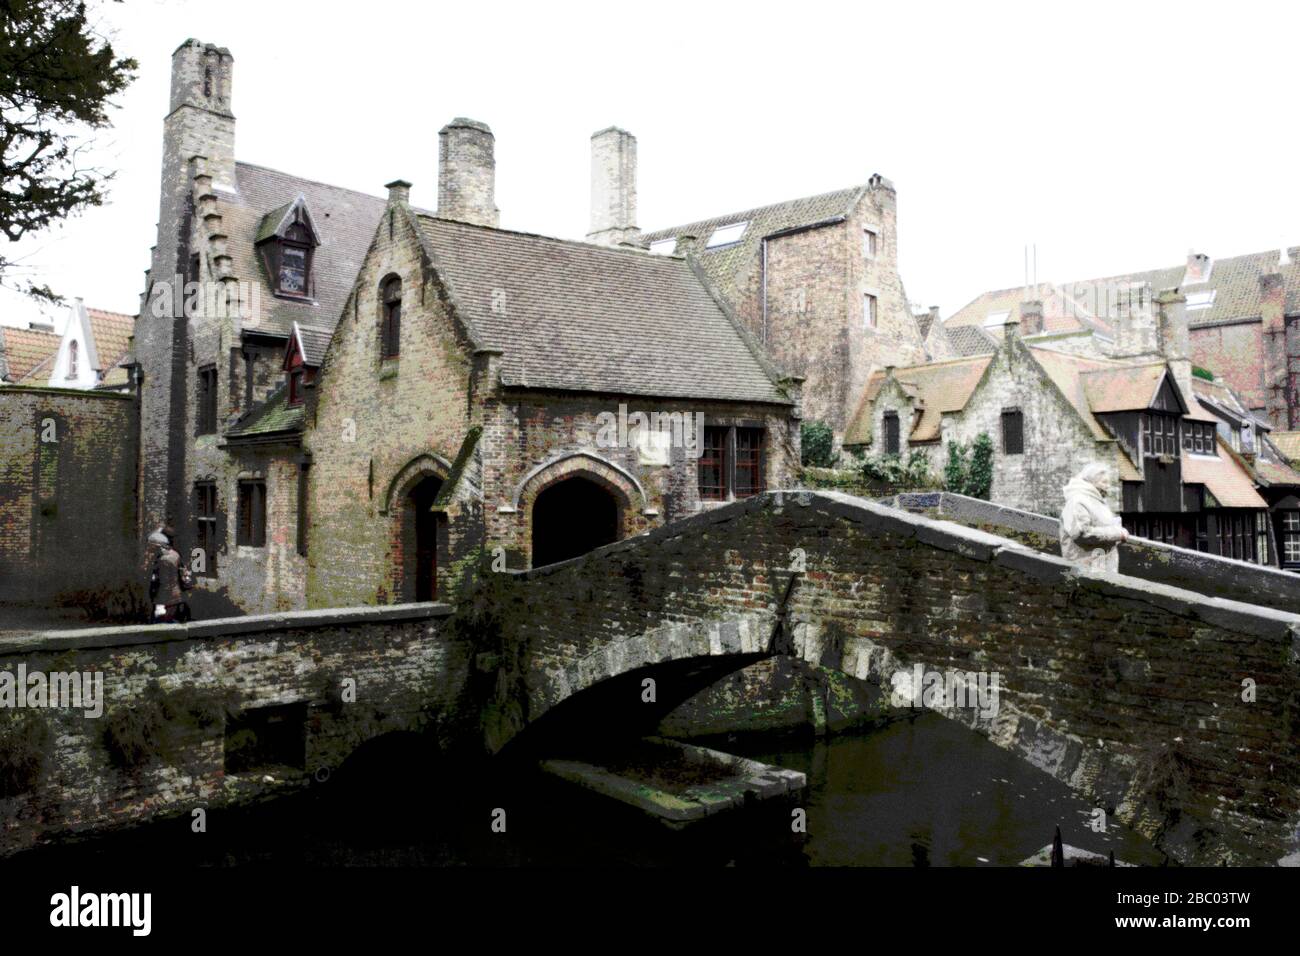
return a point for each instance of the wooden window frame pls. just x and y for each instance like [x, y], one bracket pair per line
[870, 311]
[297, 380]
[748, 459]
[251, 525]
[206, 524]
[722, 455]
[713, 455]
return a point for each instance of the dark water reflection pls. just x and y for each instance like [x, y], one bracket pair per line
[922, 792]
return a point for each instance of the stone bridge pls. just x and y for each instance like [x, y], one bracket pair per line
[1176, 711]
[1132, 692]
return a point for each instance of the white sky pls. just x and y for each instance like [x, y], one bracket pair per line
[1115, 136]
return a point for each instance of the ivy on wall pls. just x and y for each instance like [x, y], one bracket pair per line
[969, 470]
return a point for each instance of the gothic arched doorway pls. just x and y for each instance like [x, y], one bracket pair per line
[572, 517]
[420, 541]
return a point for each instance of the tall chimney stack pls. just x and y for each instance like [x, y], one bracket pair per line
[467, 172]
[1272, 310]
[1175, 343]
[613, 187]
[1136, 334]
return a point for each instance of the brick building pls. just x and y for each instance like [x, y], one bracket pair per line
[1189, 464]
[1243, 314]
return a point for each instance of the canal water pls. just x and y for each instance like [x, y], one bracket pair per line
[917, 792]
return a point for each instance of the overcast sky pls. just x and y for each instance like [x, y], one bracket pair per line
[1114, 136]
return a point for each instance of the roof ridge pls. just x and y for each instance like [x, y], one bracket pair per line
[580, 243]
[750, 213]
[313, 182]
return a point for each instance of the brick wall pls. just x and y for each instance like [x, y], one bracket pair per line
[1235, 352]
[409, 674]
[67, 506]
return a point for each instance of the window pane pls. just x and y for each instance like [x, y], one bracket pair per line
[749, 446]
[712, 465]
[293, 270]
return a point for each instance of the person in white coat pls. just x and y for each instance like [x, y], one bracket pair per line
[1090, 532]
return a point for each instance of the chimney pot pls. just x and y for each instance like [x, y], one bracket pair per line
[399, 190]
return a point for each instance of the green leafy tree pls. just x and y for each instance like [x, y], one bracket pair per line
[57, 78]
[954, 470]
[817, 442]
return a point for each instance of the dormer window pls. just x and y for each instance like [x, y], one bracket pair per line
[287, 240]
[295, 257]
[295, 386]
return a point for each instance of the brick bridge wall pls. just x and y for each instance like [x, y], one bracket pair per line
[409, 673]
[1129, 691]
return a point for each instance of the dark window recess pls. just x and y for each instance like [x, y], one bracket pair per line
[250, 373]
[749, 461]
[891, 433]
[295, 386]
[206, 415]
[205, 513]
[390, 330]
[712, 465]
[303, 469]
[267, 737]
[252, 514]
[1013, 432]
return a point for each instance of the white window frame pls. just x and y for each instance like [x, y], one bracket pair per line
[727, 235]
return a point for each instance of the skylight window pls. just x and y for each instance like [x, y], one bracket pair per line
[726, 235]
[1200, 300]
[664, 247]
[994, 319]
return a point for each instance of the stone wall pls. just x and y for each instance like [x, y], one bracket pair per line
[1129, 691]
[67, 503]
[408, 670]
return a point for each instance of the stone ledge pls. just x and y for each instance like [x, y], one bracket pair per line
[137, 634]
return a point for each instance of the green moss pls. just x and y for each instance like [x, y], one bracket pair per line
[155, 726]
[26, 744]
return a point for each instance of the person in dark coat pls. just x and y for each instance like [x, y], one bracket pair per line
[169, 581]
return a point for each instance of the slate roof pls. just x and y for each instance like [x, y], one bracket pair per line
[940, 387]
[725, 265]
[574, 316]
[970, 340]
[345, 220]
[275, 416]
[1234, 281]
[314, 342]
[28, 351]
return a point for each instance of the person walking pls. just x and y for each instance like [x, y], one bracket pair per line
[169, 581]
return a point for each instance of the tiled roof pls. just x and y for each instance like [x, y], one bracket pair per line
[1275, 473]
[1222, 477]
[923, 322]
[1234, 282]
[971, 340]
[27, 351]
[112, 331]
[940, 388]
[1061, 312]
[575, 316]
[345, 220]
[725, 265]
[1288, 443]
[272, 417]
[314, 343]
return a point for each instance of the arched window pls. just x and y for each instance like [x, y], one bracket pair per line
[72, 359]
[390, 305]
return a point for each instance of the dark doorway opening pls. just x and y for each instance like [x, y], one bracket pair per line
[571, 518]
[422, 542]
[266, 737]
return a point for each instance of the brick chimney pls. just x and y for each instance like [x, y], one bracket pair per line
[467, 172]
[399, 191]
[613, 187]
[1198, 268]
[1272, 311]
[1136, 333]
[1031, 317]
[1175, 346]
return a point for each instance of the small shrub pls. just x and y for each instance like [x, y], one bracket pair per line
[817, 444]
[26, 743]
[894, 471]
[969, 469]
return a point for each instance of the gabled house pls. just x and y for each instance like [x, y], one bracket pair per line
[26, 355]
[1177, 473]
[91, 352]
